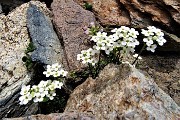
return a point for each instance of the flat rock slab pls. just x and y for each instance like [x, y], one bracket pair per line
[58, 116]
[14, 40]
[69, 19]
[123, 92]
[48, 48]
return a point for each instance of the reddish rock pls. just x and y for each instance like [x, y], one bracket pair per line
[109, 12]
[69, 19]
[137, 13]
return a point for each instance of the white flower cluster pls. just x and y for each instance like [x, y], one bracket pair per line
[40, 91]
[127, 39]
[152, 36]
[88, 56]
[55, 70]
[45, 89]
[123, 37]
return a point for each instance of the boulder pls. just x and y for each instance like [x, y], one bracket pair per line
[14, 40]
[57, 116]
[123, 92]
[164, 69]
[137, 13]
[69, 19]
[48, 49]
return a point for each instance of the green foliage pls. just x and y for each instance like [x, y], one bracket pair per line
[56, 105]
[27, 59]
[88, 6]
[30, 48]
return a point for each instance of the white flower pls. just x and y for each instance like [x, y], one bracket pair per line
[56, 66]
[63, 73]
[38, 98]
[152, 48]
[57, 84]
[47, 73]
[25, 99]
[25, 90]
[136, 55]
[148, 41]
[161, 41]
[79, 56]
[133, 33]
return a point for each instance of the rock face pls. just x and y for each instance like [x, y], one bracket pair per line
[123, 92]
[136, 12]
[165, 72]
[48, 48]
[109, 12]
[58, 116]
[69, 20]
[14, 40]
[164, 14]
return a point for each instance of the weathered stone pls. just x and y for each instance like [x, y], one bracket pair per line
[69, 20]
[14, 40]
[173, 43]
[109, 12]
[123, 92]
[164, 69]
[137, 13]
[48, 48]
[0, 9]
[58, 116]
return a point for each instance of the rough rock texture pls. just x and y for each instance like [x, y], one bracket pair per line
[173, 43]
[165, 70]
[58, 116]
[109, 12]
[0, 9]
[14, 40]
[48, 47]
[123, 92]
[69, 20]
[136, 12]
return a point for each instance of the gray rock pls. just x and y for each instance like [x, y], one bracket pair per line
[14, 39]
[0, 9]
[58, 116]
[69, 19]
[123, 92]
[48, 48]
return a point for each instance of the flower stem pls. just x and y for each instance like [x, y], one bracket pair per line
[139, 53]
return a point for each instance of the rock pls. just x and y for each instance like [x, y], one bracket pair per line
[173, 43]
[69, 19]
[164, 69]
[48, 48]
[109, 12]
[14, 40]
[1, 9]
[137, 13]
[164, 14]
[123, 92]
[57, 116]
